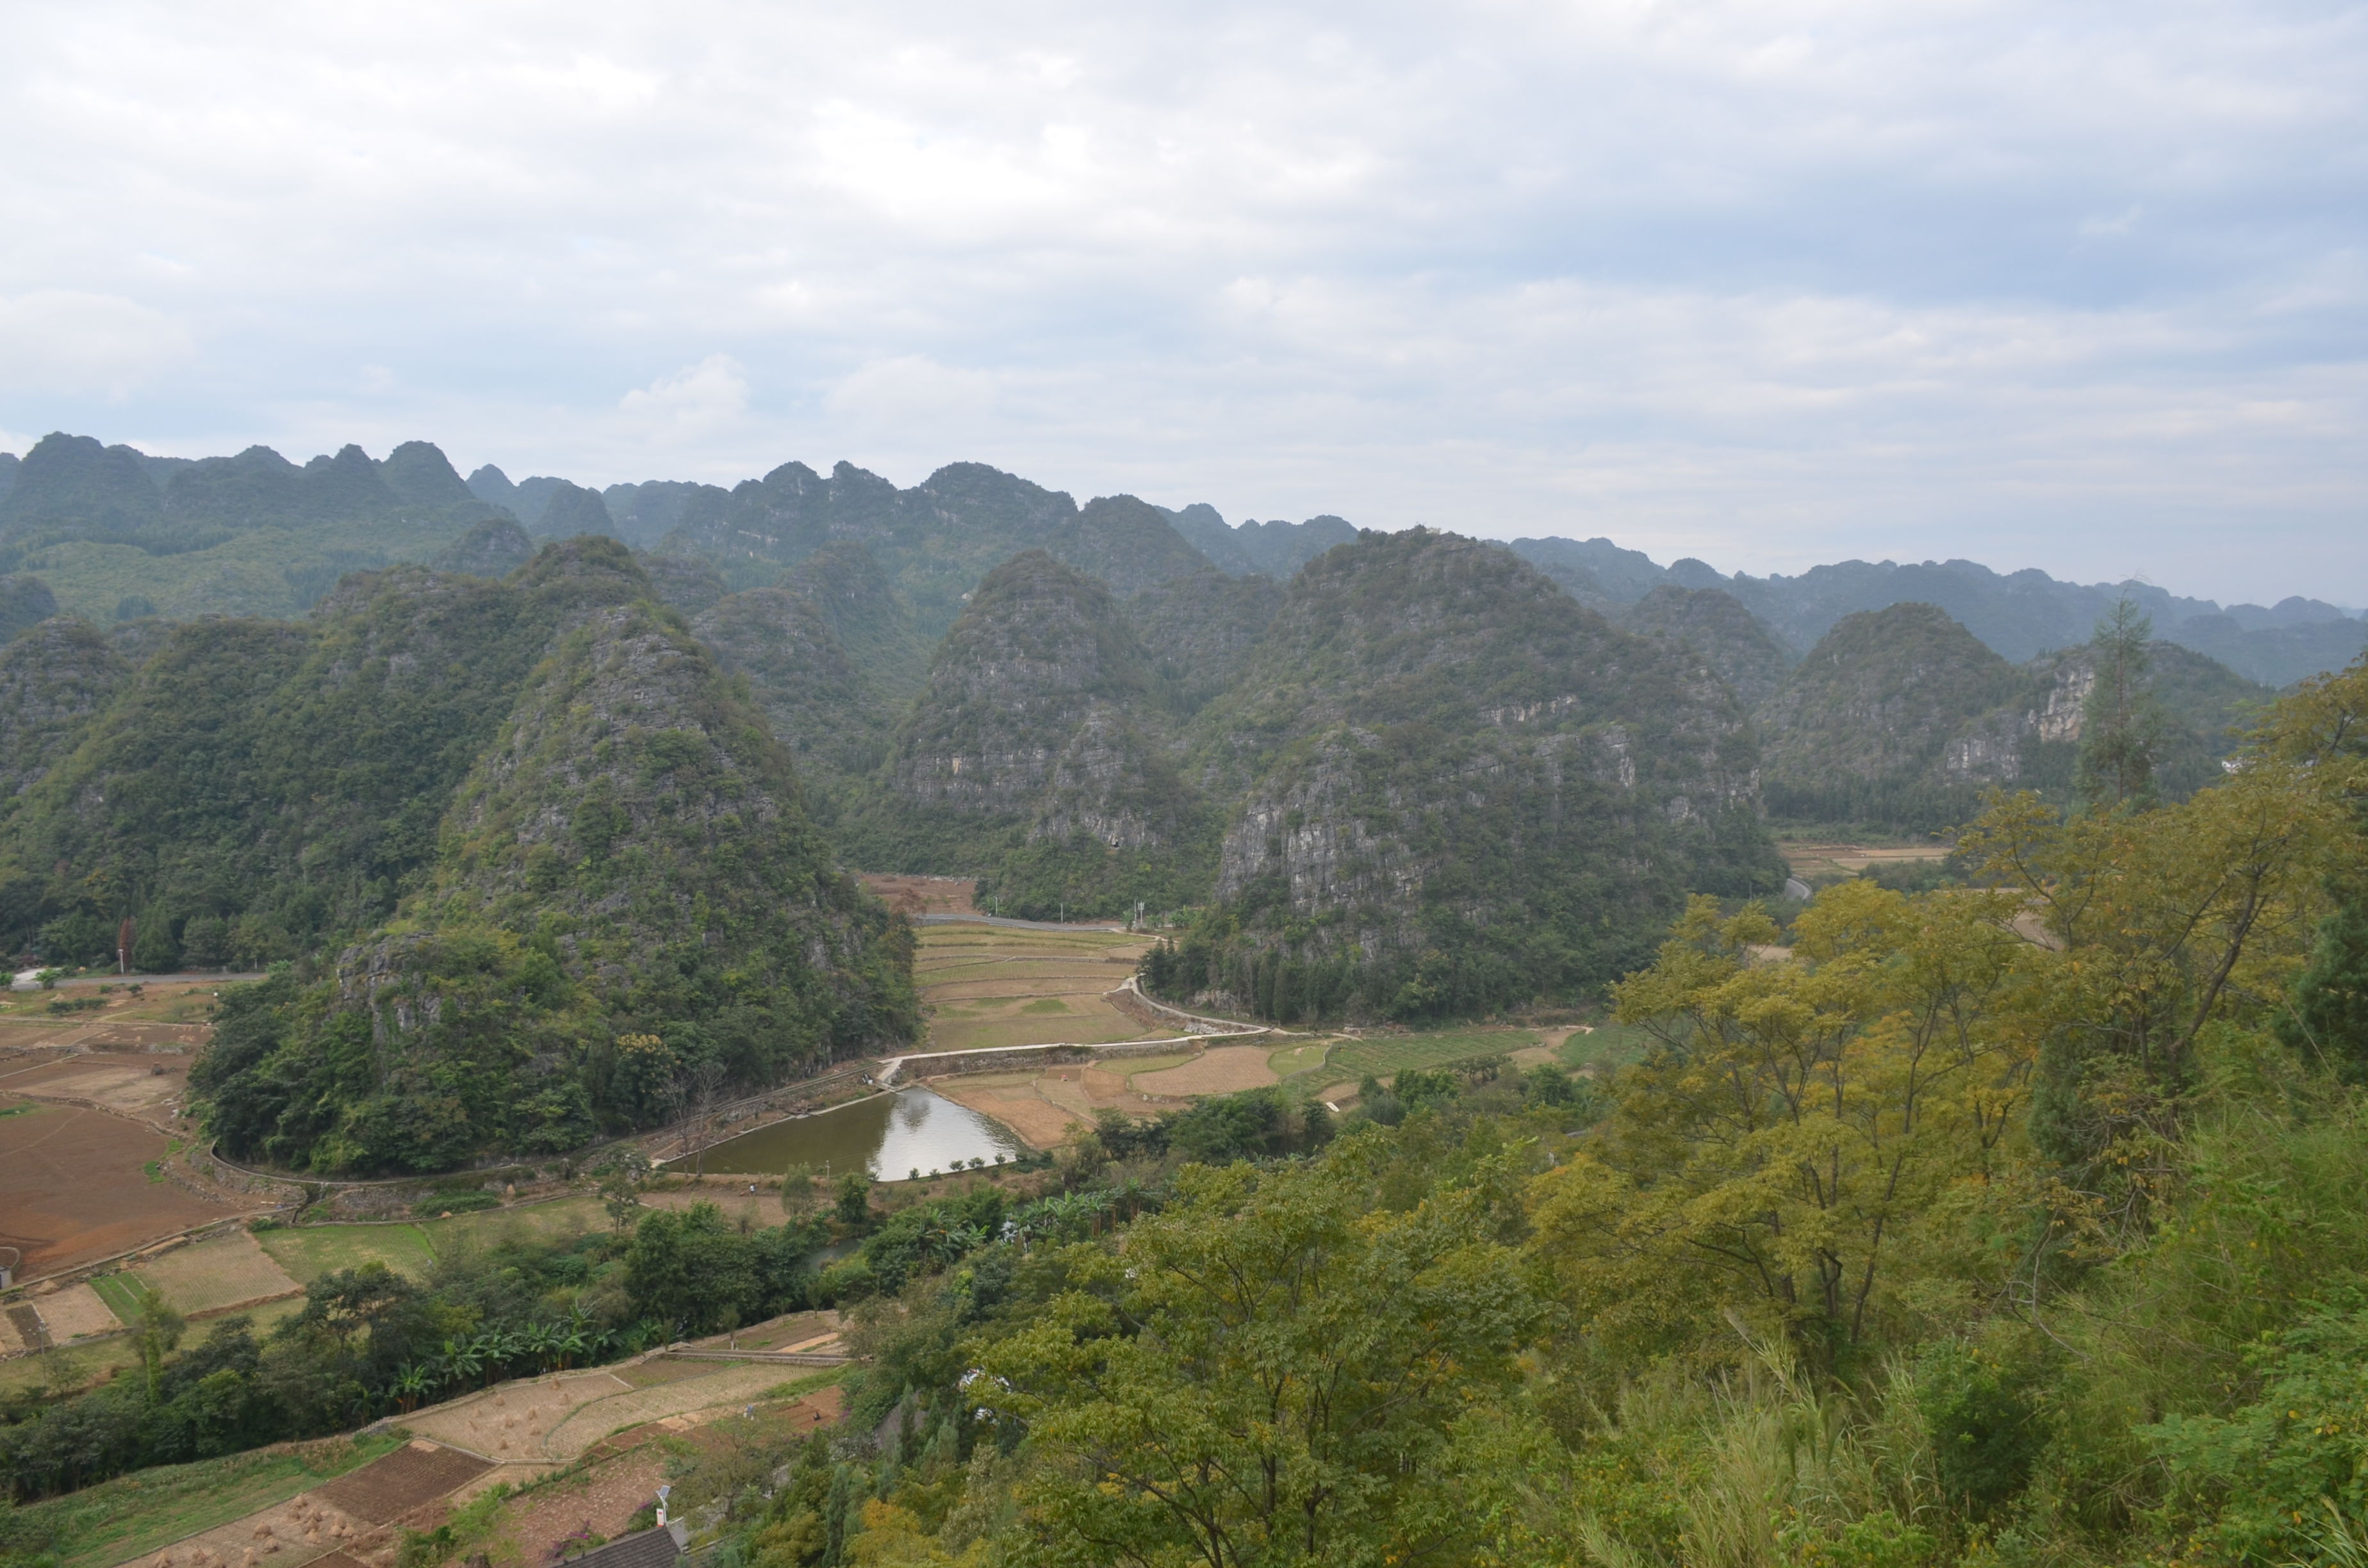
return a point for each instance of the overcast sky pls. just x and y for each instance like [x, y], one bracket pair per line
[2070, 285]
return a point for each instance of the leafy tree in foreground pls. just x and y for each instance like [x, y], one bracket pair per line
[2122, 727]
[1795, 1120]
[1270, 1372]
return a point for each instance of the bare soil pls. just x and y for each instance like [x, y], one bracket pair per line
[1223, 1070]
[922, 895]
[391, 1487]
[221, 1272]
[137, 1083]
[73, 1188]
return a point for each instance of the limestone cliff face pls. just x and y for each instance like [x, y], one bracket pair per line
[1901, 718]
[1433, 743]
[1996, 747]
[1040, 653]
[52, 678]
[1040, 757]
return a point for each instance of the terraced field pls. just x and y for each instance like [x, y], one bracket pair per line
[989, 986]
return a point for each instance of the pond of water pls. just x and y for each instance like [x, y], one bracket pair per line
[888, 1135]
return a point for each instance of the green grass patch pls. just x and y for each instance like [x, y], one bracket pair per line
[134, 1514]
[121, 1296]
[1608, 1049]
[1294, 1060]
[1395, 1053]
[1046, 1005]
[19, 1110]
[307, 1252]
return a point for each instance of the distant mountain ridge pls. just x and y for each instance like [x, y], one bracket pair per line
[2019, 615]
[75, 496]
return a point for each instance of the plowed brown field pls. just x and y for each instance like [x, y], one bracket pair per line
[73, 1187]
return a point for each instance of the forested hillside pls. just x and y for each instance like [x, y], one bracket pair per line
[1039, 757]
[626, 889]
[1457, 790]
[587, 832]
[1900, 719]
[120, 533]
[2007, 1224]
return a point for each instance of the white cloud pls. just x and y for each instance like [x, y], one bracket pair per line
[690, 404]
[1769, 281]
[908, 392]
[65, 342]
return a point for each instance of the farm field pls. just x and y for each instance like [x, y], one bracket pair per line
[988, 986]
[147, 1083]
[1384, 1055]
[74, 1187]
[922, 895]
[208, 1275]
[79, 1003]
[1810, 858]
[1041, 1106]
[135, 1514]
[411, 1247]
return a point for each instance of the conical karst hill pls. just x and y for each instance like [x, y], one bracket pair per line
[626, 887]
[1040, 754]
[1455, 787]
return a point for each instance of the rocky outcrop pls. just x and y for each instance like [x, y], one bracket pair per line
[1434, 750]
[626, 888]
[1130, 546]
[1040, 755]
[574, 510]
[1042, 649]
[1879, 695]
[1901, 719]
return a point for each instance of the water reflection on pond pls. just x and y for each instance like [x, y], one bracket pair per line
[888, 1135]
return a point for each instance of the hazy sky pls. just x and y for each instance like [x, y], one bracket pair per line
[2061, 284]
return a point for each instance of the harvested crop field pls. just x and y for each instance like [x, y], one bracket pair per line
[391, 1487]
[1220, 1070]
[208, 1275]
[922, 895]
[124, 1519]
[511, 1421]
[139, 1084]
[1012, 1099]
[1041, 1106]
[75, 1312]
[1819, 857]
[74, 1187]
[989, 986]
